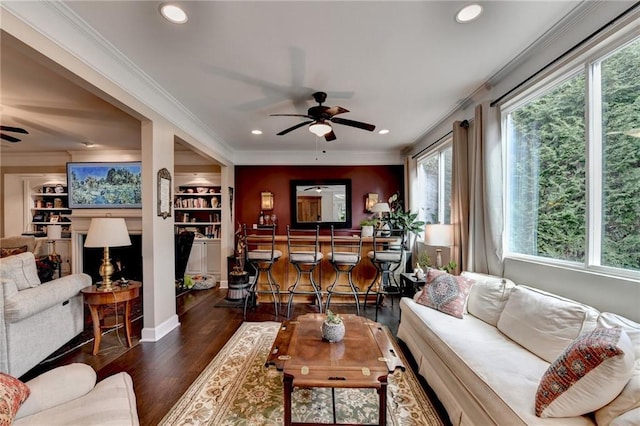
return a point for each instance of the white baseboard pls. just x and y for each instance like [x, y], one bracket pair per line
[157, 333]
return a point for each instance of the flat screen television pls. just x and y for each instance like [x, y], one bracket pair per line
[105, 185]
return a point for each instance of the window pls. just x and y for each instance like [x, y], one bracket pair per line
[573, 184]
[434, 183]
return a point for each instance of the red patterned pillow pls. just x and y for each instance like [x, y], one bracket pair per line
[10, 251]
[12, 394]
[445, 293]
[587, 375]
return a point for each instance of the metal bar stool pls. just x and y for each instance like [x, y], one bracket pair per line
[344, 256]
[386, 257]
[261, 253]
[304, 255]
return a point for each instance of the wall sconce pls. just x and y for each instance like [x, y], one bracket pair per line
[266, 200]
[372, 199]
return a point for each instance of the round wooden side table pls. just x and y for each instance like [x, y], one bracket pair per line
[97, 299]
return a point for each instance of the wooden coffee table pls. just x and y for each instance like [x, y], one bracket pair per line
[362, 360]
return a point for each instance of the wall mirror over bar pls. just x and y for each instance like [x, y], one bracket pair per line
[321, 202]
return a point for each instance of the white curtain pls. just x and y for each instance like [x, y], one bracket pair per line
[477, 193]
[485, 190]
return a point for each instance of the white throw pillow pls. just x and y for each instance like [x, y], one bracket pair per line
[488, 296]
[629, 398]
[544, 323]
[587, 375]
[21, 269]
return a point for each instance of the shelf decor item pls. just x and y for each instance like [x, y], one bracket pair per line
[108, 185]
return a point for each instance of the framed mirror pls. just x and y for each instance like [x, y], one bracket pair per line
[323, 202]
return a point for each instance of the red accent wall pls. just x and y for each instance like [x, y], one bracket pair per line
[252, 180]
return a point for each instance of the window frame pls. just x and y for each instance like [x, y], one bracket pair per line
[589, 61]
[438, 150]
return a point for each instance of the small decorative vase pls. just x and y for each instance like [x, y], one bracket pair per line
[367, 231]
[332, 332]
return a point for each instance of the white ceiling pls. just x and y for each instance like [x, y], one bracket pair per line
[402, 66]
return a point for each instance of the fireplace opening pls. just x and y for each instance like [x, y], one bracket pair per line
[126, 261]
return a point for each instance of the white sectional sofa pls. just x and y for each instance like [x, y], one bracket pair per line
[486, 367]
[36, 319]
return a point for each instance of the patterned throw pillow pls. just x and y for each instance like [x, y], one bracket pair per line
[445, 293]
[12, 394]
[10, 251]
[588, 374]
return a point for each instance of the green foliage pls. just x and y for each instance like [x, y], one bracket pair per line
[369, 222]
[549, 168]
[333, 318]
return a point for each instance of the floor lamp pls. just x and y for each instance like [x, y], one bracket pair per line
[438, 235]
[107, 232]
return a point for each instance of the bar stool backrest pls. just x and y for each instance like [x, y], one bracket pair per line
[387, 244]
[262, 241]
[346, 246]
[304, 245]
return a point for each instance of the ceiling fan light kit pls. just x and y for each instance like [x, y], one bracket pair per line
[319, 128]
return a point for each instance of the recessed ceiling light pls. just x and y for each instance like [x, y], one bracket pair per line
[383, 131]
[256, 132]
[468, 13]
[173, 13]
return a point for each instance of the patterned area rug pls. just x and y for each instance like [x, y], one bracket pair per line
[236, 389]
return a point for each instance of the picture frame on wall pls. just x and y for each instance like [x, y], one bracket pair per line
[105, 185]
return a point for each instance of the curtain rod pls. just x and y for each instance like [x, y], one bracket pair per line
[576, 46]
[463, 123]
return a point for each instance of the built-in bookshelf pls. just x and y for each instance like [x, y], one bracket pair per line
[49, 206]
[198, 208]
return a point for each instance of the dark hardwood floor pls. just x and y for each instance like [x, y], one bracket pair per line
[162, 371]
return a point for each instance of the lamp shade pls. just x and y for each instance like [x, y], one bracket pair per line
[438, 235]
[54, 232]
[107, 232]
[319, 128]
[380, 208]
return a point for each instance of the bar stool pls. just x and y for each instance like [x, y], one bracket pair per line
[304, 255]
[261, 253]
[386, 257]
[344, 256]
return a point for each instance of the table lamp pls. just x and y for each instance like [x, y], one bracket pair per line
[107, 232]
[380, 208]
[438, 235]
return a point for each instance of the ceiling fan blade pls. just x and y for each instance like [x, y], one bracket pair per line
[9, 138]
[336, 110]
[297, 126]
[330, 136]
[290, 115]
[14, 129]
[358, 124]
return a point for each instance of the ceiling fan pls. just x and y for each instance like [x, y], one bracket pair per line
[320, 116]
[316, 188]
[11, 129]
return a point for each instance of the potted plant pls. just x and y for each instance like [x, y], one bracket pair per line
[333, 327]
[405, 221]
[367, 226]
[238, 277]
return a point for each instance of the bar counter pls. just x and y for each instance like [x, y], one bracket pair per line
[284, 272]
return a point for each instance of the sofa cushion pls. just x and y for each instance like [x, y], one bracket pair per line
[488, 296]
[587, 375]
[12, 251]
[629, 398]
[544, 323]
[12, 394]
[21, 269]
[446, 293]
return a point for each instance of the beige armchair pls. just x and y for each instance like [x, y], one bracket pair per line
[20, 241]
